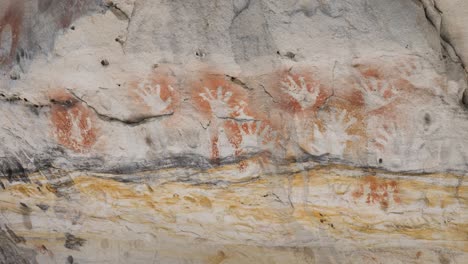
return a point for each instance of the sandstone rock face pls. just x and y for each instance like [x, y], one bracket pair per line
[452, 21]
[236, 131]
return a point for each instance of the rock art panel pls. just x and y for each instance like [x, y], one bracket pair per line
[231, 132]
[156, 93]
[74, 124]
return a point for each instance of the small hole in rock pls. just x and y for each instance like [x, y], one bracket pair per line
[14, 76]
[290, 55]
[148, 141]
[104, 62]
[427, 119]
[464, 99]
[380, 161]
[200, 53]
[72, 27]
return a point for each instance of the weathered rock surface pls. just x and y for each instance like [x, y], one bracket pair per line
[242, 131]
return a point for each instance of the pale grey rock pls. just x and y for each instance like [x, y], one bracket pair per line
[453, 29]
[243, 131]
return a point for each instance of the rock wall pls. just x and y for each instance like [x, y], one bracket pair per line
[240, 131]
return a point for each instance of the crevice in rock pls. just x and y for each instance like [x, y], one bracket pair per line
[218, 183]
[18, 99]
[269, 94]
[12, 169]
[119, 13]
[325, 103]
[288, 55]
[450, 51]
[73, 242]
[464, 99]
[433, 15]
[136, 121]
[239, 7]
[43, 207]
[128, 27]
[238, 82]
[205, 127]
[17, 239]
[235, 119]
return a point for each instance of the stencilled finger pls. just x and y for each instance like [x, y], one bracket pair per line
[303, 83]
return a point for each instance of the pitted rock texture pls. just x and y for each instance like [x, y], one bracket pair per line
[243, 131]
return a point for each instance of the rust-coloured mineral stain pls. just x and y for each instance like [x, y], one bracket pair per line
[12, 20]
[74, 123]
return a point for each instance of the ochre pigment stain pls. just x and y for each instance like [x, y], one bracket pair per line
[155, 94]
[74, 123]
[380, 191]
[245, 136]
[215, 96]
[217, 99]
[214, 148]
[299, 91]
[11, 24]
